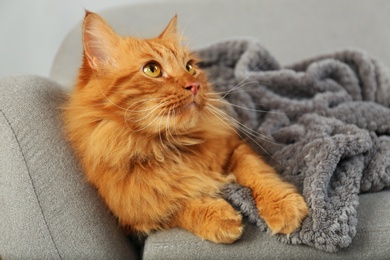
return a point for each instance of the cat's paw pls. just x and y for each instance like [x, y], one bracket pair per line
[285, 215]
[222, 225]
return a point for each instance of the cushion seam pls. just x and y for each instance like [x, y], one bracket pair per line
[32, 182]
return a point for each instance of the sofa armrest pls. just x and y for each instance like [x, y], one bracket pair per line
[48, 211]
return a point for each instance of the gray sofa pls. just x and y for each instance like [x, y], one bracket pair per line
[50, 212]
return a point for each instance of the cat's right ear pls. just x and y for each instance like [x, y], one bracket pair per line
[171, 30]
[99, 41]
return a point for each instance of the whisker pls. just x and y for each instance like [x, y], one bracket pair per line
[243, 83]
[173, 110]
[238, 88]
[143, 128]
[199, 33]
[167, 130]
[140, 101]
[245, 130]
[185, 28]
[167, 123]
[126, 117]
[151, 112]
[159, 130]
[242, 107]
[228, 123]
[232, 92]
[235, 89]
[253, 70]
[223, 119]
[240, 85]
[218, 116]
[174, 116]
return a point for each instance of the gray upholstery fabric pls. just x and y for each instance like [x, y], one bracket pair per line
[371, 242]
[48, 211]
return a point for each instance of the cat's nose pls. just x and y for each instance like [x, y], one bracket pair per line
[193, 86]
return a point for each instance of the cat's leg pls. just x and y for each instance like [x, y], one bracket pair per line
[212, 219]
[280, 205]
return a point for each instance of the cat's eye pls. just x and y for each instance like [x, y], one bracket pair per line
[190, 68]
[152, 69]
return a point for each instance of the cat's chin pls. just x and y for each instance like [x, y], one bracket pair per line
[188, 109]
[191, 106]
[187, 116]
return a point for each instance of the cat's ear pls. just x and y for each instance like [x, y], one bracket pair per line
[170, 31]
[99, 41]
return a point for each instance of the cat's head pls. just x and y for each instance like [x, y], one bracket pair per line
[150, 84]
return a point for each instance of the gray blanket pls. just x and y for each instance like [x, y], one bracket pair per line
[323, 123]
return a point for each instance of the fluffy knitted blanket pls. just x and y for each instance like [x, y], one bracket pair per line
[323, 123]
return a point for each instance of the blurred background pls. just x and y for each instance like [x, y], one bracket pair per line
[32, 31]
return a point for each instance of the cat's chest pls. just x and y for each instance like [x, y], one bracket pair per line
[213, 155]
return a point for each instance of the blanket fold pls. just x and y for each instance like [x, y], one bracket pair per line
[323, 123]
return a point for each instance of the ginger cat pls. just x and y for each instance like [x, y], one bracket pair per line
[152, 138]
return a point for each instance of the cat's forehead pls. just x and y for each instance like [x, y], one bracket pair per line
[169, 52]
[162, 51]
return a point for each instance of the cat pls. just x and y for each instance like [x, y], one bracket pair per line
[147, 128]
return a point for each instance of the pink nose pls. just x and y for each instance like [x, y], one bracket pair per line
[193, 86]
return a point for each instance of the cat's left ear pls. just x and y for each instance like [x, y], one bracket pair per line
[170, 31]
[99, 40]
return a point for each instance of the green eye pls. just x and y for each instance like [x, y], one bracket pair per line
[152, 70]
[190, 68]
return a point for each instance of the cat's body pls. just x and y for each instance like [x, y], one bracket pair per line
[149, 132]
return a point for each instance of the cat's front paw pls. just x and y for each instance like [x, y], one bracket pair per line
[286, 214]
[223, 225]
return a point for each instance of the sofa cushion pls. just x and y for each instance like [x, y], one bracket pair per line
[371, 241]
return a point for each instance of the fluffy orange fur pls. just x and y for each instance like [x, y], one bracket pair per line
[156, 146]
